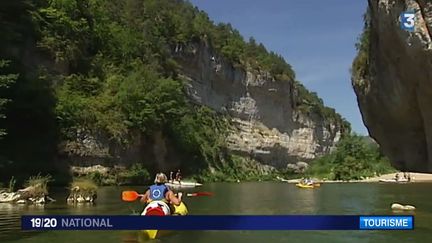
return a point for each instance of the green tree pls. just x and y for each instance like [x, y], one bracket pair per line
[201, 25]
[360, 65]
[149, 101]
[6, 80]
[355, 158]
[234, 48]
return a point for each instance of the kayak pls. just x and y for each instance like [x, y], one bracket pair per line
[397, 206]
[179, 210]
[183, 184]
[299, 185]
[393, 180]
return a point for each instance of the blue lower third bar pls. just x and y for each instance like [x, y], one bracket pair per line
[386, 222]
[201, 222]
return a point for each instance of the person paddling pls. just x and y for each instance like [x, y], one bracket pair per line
[397, 177]
[160, 192]
[171, 177]
[178, 176]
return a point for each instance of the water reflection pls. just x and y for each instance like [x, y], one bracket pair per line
[10, 217]
[243, 198]
[306, 201]
[10, 208]
[141, 237]
[132, 237]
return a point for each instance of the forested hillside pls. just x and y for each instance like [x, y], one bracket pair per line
[74, 70]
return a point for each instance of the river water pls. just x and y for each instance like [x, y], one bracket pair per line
[258, 198]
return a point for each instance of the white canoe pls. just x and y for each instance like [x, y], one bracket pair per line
[393, 180]
[183, 184]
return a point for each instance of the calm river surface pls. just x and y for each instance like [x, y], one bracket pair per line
[243, 198]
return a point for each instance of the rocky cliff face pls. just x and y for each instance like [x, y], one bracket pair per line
[268, 127]
[267, 124]
[394, 86]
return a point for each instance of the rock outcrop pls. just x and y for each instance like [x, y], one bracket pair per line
[268, 125]
[394, 83]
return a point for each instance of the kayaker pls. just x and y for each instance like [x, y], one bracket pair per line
[171, 177]
[178, 176]
[160, 192]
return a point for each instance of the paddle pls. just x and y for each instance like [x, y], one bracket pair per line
[198, 194]
[130, 196]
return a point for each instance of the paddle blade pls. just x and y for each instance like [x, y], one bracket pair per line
[130, 196]
[199, 194]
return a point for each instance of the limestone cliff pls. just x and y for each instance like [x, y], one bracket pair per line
[392, 78]
[268, 124]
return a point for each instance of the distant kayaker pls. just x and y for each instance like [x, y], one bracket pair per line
[178, 176]
[171, 176]
[160, 192]
[306, 181]
[397, 177]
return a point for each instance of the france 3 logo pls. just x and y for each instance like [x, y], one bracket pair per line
[407, 20]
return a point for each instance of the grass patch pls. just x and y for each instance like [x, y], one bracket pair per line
[84, 185]
[11, 185]
[37, 186]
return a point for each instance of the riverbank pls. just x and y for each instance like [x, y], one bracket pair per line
[415, 177]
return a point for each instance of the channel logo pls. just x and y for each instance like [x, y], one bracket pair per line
[386, 223]
[407, 20]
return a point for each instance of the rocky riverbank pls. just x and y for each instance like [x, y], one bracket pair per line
[35, 192]
[415, 177]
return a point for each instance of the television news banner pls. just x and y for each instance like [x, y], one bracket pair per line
[228, 222]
